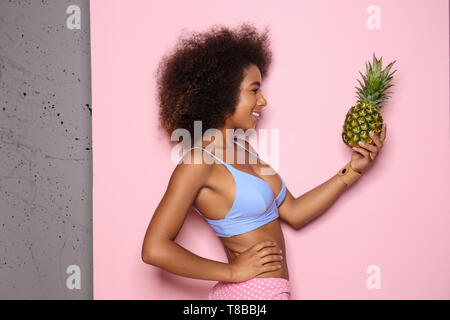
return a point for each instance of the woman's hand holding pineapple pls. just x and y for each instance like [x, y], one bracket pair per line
[363, 155]
[365, 115]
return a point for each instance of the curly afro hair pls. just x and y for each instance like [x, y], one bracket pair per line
[200, 79]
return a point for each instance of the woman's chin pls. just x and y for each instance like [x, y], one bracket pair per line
[254, 123]
[250, 125]
[253, 126]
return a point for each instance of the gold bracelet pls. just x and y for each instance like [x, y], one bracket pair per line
[348, 175]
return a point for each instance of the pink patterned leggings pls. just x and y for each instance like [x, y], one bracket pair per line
[253, 289]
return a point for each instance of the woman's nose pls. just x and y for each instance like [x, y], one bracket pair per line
[262, 101]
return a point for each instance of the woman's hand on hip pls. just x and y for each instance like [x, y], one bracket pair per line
[254, 261]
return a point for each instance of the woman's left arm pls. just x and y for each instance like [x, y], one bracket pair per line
[299, 211]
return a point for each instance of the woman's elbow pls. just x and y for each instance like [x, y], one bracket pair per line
[146, 257]
[150, 253]
[291, 222]
[296, 225]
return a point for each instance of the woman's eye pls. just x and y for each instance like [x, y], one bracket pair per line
[255, 90]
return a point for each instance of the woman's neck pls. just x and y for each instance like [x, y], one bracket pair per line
[219, 138]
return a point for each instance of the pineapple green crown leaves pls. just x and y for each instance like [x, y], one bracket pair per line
[376, 82]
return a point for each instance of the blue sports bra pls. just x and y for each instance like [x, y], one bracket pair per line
[254, 203]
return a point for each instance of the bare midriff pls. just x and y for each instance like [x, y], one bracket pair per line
[220, 183]
[271, 231]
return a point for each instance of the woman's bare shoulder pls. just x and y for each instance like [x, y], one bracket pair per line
[192, 167]
[185, 182]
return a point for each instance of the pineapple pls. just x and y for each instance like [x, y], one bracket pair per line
[364, 116]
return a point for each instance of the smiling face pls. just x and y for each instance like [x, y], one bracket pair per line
[251, 101]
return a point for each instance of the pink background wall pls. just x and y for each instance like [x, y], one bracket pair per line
[396, 216]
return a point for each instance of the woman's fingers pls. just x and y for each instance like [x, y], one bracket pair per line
[369, 147]
[373, 150]
[376, 139]
[362, 151]
[263, 244]
[270, 268]
[383, 132]
[268, 251]
[271, 258]
[267, 256]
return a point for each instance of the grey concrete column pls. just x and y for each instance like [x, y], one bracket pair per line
[45, 150]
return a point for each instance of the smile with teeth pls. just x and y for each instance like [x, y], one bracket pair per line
[256, 114]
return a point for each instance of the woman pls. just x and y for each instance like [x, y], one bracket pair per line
[216, 77]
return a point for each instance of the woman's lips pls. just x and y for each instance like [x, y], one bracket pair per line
[256, 115]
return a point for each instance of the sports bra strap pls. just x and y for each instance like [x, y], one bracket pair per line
[218, 159]
[245, 148]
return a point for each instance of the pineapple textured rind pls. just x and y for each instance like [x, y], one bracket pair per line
[361, 119]
[364, 116]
